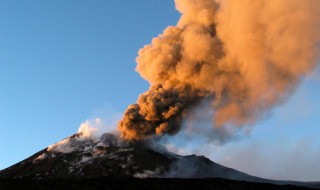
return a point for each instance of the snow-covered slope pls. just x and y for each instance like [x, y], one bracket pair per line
[109, 156]
[76, 156]
[82, 157]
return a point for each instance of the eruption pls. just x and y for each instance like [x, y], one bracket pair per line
[246, 56]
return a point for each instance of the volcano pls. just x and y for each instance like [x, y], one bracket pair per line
[109, 157]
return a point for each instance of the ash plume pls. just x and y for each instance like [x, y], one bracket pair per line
[247, 56]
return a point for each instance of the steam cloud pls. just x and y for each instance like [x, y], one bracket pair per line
[246, 56]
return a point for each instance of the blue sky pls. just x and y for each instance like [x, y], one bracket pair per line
[62, 62]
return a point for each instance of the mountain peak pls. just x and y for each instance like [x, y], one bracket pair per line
[81, 157]
[110, 156]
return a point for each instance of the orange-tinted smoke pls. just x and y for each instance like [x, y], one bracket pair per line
[247, 55]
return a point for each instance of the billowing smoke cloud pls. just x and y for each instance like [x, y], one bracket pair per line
[247, 56]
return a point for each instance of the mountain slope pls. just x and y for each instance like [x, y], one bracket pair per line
[78, 157]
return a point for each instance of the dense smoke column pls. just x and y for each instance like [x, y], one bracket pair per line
[171, 65]
[248, 55]
[157, 111]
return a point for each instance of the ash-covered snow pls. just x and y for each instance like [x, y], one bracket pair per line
[79, 152]
[74, 143]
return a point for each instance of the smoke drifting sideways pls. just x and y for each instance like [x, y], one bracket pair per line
[245, 56]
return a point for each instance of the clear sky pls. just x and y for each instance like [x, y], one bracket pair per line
[62, 62]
